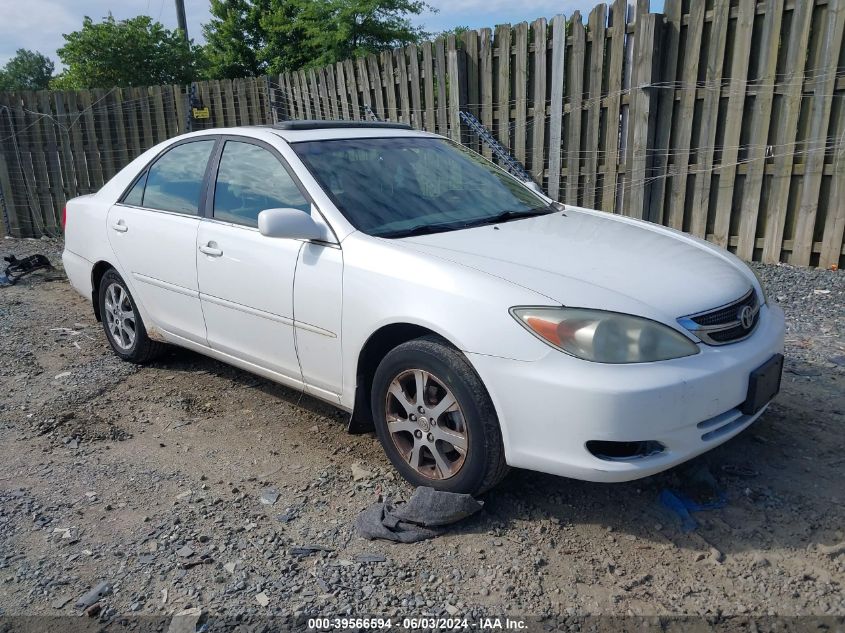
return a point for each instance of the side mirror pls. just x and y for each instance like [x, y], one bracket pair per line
[290, 223]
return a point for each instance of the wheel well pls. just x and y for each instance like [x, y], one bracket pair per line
[97, 273]
[375, 349]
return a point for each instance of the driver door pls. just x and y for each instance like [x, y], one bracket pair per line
[246, 280]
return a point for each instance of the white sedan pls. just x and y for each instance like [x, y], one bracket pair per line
[475, 323]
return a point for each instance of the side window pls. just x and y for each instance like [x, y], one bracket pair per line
[135, 197]
[174, 182]
[250, 179]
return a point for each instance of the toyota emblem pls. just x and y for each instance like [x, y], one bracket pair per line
[746, 317]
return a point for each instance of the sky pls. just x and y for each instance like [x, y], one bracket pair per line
[39, 24]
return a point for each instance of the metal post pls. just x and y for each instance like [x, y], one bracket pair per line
[181, 19]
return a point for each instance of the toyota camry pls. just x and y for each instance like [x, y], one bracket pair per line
[473, 322]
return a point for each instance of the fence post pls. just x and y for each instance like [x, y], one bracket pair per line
[457, 74]
[5, 199]
[642, 113]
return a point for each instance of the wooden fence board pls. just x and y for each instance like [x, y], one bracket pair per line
[229, 109]
[52, 140]
[334, 99]
[157, 103]
[485, 63]
[766, 69]
[665, 107]
[216, 104]
[538, 121]
[401, 65]
[786, 125]
[455, 87]
[389, 78]
[377, 85]
[428, 77]
[470, 44]
[503, 107]
[342, 94]
[49, 216]
[641, 116]
[14, 211]
[830, 47]
[146, 129]
[121, 142]
[323, 86]
[352, 83]
[834, 226]
[726, 171]
[102, 120]
[440, 74]
[520, 89]
[576, 112]
[416, 80]
[556, 106]
[25, 166]
[77, 148]
[597, 23]
[614, 100]
[364, 86]
[681, 143]
[709, 118]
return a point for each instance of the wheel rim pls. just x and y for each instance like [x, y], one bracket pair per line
[426, 424]
[120, 317]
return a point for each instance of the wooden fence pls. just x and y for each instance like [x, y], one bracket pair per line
[723, 118]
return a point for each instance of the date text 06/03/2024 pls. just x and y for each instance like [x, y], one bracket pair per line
[447, 624]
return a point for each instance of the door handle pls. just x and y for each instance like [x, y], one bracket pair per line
[211, 249]
[120, 226]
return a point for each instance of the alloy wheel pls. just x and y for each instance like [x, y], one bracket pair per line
[426, 424]
[120, 316]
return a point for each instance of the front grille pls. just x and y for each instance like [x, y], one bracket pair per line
[725, 324]
[727, 314]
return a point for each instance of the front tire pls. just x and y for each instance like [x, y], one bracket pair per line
[435, 419]
[122, 323]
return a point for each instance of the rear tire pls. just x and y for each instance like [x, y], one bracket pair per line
[446, 437]
[122, 323]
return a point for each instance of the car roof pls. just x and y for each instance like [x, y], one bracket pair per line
[298, 131]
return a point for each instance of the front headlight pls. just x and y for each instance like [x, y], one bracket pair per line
[604, 337]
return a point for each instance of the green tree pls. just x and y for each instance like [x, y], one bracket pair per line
[234, 38]
[339, 29]
[271, 36]
[134, 52]
[27, 70]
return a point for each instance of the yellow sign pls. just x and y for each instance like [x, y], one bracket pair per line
[201, 113]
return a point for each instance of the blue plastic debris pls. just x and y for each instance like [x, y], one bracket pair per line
[682, 505]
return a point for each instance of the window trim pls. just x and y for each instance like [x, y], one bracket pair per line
[146, 170]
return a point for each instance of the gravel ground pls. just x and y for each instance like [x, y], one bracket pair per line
[151, 479]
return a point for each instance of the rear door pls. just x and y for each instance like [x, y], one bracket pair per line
[153, 232]
[245, 279]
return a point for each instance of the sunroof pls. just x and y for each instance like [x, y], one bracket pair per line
[328, 125]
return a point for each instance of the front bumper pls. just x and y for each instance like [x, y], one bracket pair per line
[550, 408]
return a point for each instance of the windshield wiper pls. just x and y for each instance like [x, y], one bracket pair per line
[506, 216]
[420, 229]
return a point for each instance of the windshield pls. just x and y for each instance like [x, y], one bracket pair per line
[400, 186]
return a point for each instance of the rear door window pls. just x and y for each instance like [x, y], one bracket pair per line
[251, 179]
[174, 182]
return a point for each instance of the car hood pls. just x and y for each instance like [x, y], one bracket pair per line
[588, 258]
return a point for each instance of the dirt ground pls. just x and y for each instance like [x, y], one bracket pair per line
[108, 471]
